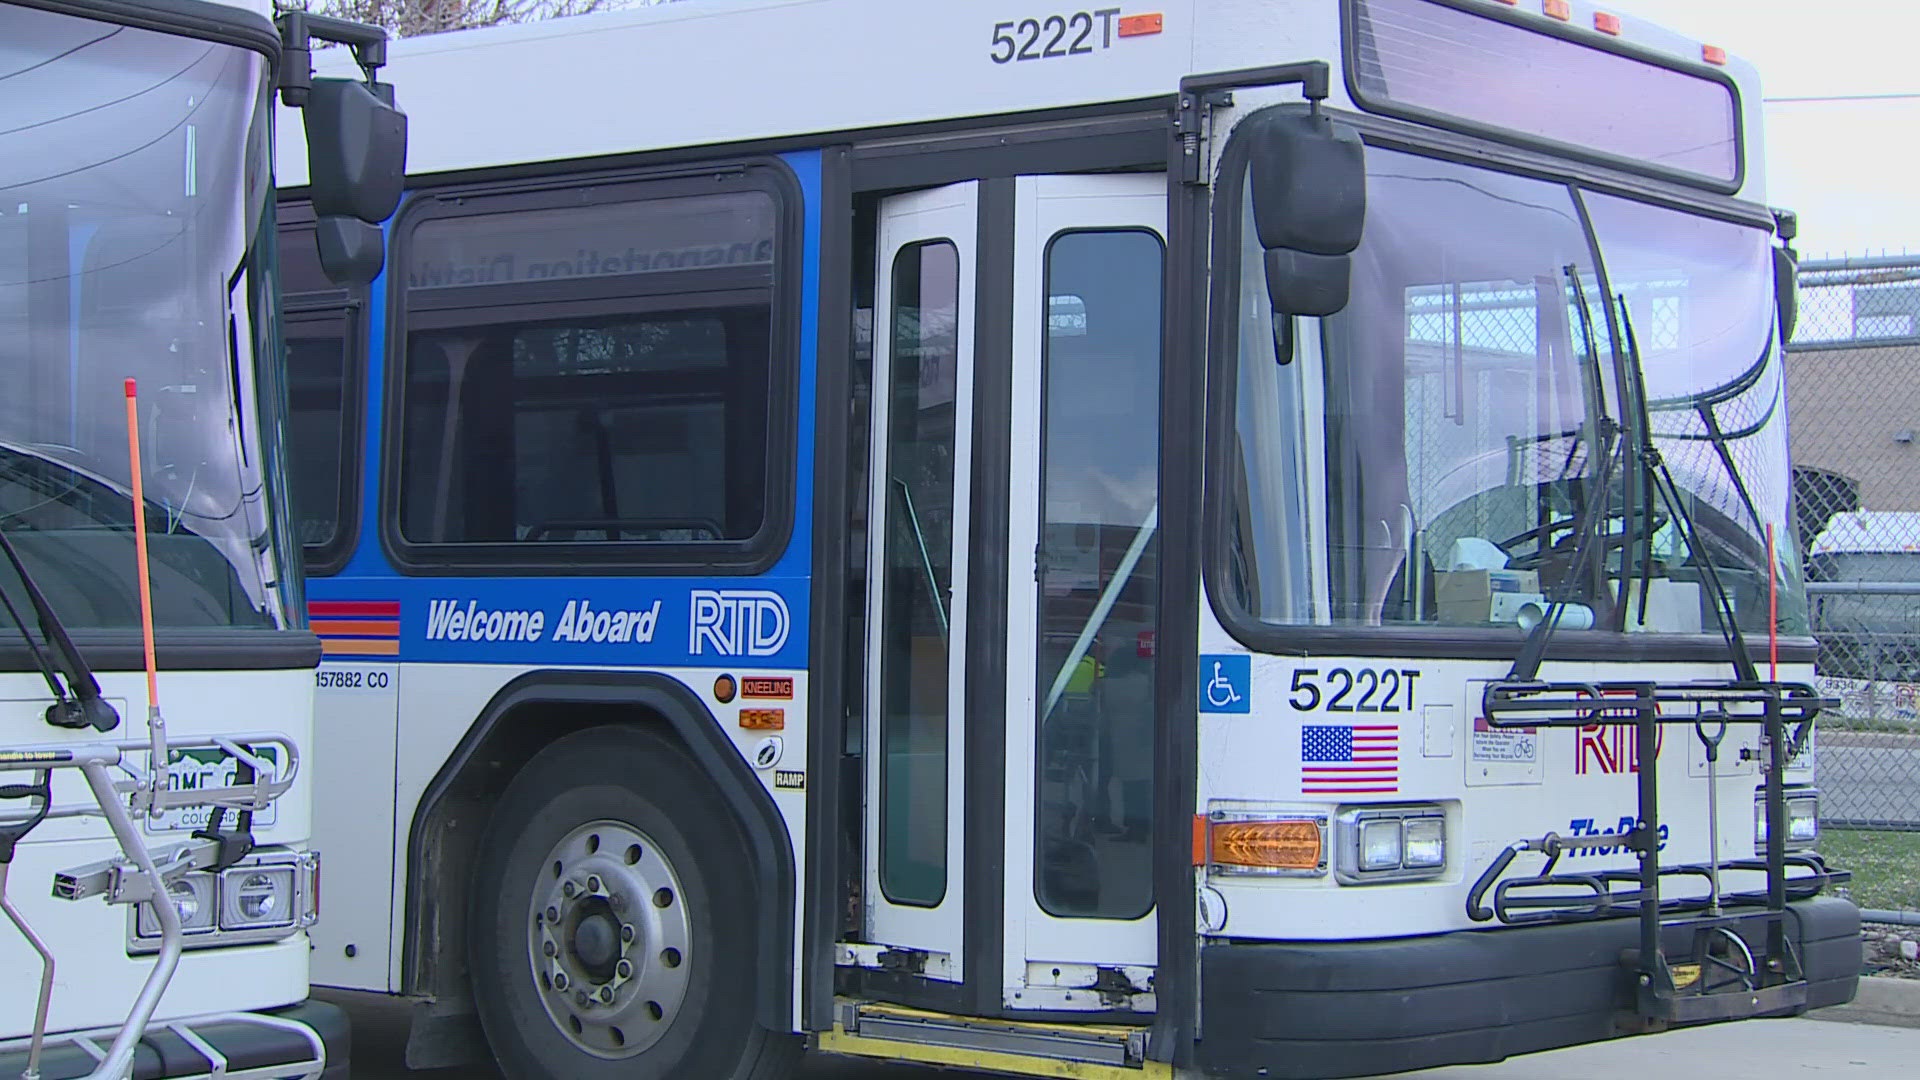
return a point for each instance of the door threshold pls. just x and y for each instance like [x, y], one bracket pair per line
[1016, 1047]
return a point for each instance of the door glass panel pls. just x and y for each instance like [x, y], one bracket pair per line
[1098, 563]
[915, 617]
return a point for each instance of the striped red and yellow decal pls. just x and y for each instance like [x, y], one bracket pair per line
[356, 629]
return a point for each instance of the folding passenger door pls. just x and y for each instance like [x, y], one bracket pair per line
[1082, 625]
[922, 419]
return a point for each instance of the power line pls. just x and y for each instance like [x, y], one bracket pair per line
[1843, 97]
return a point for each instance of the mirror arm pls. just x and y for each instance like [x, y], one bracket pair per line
[298, 29]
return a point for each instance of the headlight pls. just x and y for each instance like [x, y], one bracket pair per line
[1390, 843]
[256, 897]
[1426, 843]
[1803, 819]
[1380, 845]
[270, 896]
[195, 897]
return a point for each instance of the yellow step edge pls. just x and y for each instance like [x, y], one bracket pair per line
[838, 1041]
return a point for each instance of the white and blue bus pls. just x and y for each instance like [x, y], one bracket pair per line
[146, 543]
[1099, 542]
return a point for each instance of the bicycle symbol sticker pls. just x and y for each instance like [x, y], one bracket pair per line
[1226, 683]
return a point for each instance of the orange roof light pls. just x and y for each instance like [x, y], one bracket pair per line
[1275, 845]
[1606, 23]
[1714, 54]
[1141, 25]
[1557, 9]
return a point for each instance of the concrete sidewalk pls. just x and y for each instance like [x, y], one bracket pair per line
[1753, 1048]
[1892, 1002]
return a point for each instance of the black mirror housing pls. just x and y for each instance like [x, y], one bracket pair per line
[1309, 179]
[1786, 291]
[352, 252]
[356, 151]
[1300, 283]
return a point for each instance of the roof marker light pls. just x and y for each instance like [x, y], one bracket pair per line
[1606, 23]
[1714, 54]
[1557, 9]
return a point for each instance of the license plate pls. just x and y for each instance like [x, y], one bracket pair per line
[200, 770]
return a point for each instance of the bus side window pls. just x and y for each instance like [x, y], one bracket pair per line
[589, 375]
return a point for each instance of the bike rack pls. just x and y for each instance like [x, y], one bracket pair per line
[1667, 992]
[141, 875]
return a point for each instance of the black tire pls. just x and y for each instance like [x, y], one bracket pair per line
[651, 788]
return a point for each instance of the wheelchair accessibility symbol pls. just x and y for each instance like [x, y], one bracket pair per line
[1226, 683]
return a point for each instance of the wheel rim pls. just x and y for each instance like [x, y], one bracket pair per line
[609, 941]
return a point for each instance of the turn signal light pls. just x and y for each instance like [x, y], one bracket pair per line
[1265, 845]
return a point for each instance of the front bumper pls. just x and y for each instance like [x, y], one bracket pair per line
[164, 1055]
[1365, 1008]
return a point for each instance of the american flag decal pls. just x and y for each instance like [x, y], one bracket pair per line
[1347, 759]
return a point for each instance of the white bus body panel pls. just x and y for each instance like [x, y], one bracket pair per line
[96, 980]
[708, 72]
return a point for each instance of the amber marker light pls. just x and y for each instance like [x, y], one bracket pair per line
[1292, 844]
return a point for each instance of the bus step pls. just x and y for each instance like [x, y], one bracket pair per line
[1006, 1046]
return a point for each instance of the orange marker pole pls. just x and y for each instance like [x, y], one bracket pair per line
[157, 729]
[1773, 610]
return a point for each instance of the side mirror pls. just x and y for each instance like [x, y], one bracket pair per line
[356, 162]
[1786, 291]
[1786, 273]
[352, 252]
[1309, 182]
[356, 142]
[356, 150]
[1299, 283]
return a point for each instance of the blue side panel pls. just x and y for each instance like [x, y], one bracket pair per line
[370, 612]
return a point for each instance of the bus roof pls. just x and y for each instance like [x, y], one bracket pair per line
[711, 72]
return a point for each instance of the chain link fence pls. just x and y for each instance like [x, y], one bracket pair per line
[1853, 387]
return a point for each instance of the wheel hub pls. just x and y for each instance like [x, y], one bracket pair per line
[609, 940]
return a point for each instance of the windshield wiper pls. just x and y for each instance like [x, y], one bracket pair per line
[1606, 441]
[78, 703]
[1669, 491]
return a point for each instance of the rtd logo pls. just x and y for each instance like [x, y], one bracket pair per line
[738, 622]
[1611, 748]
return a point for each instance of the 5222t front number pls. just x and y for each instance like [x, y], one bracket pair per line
[1353, 690]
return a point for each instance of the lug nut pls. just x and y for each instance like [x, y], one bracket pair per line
[567, 890]
[550, 949]
[593, 884]
[553, 914]
[626, 933]
[625, 969]
[581, 998]
[559, 980]
[606, 994]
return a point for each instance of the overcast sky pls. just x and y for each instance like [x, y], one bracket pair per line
[1851, 168]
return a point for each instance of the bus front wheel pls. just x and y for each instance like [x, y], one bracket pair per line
[610, 933]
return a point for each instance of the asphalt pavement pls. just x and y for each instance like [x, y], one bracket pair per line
[1755, 1048]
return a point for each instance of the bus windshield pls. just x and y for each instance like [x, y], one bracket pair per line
[1471, 395]
[135, 172]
